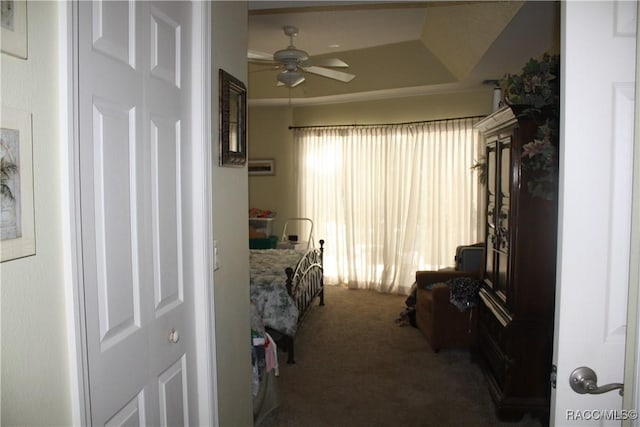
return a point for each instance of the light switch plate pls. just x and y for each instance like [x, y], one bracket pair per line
[216, 257]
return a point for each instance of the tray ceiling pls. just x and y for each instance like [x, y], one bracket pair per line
[399, 48]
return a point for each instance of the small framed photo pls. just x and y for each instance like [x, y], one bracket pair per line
[17, 224]
[13, 26]
[262, 167]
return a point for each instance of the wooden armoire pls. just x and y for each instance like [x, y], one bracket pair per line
[517, 296]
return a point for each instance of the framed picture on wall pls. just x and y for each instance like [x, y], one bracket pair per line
[17, 226]
[233, 121]
[262, 167]
[13, 27]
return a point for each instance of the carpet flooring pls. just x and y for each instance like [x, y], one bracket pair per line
[356, 367]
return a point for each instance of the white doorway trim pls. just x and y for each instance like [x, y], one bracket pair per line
[202, 218]
[68, 39]
[206, 367]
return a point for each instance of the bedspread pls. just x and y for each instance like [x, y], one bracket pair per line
[268, 288]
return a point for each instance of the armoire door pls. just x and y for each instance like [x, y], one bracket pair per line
[503, 215]
[498, 214]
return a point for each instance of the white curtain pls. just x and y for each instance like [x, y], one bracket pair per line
[389, 200]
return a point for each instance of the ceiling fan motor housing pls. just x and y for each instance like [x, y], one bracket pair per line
[291, 54]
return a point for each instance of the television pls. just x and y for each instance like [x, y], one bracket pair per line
[469, 258]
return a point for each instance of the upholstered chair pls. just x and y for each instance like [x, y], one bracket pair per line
[440, 321]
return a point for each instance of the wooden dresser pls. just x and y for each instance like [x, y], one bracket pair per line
[517, 297]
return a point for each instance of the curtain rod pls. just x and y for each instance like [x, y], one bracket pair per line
[385, 124]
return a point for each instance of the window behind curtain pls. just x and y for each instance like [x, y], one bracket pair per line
[389, 200]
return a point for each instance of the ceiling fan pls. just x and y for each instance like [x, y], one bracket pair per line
[294, 61]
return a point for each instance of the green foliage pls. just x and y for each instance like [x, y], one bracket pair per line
[540, 156]
[537, 91]
[480, 166]
[537, 86]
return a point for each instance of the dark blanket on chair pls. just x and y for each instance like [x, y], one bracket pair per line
[464, 292]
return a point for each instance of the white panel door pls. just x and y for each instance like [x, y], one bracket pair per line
[596, 175]
[133, 123]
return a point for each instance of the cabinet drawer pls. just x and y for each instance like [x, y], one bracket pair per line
[496, 362]
[494, 345]
[493, 328]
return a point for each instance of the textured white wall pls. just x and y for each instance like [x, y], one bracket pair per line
[35, 372]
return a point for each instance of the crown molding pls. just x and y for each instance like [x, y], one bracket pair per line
[375, 95]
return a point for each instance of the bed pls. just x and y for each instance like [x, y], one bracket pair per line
[284, 283]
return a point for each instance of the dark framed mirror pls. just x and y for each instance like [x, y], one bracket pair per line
[233, 121]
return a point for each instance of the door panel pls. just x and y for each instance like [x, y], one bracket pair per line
[132, 415]
[134, 116]
[115, 218]
[620, 220]
[114, 30]
[165, 48]
[173, 395]
[166, 222]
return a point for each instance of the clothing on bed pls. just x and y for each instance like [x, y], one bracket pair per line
[264, 384]
[271, 355]
[264, 358]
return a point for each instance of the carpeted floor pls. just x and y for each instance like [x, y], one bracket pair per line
[356, 367]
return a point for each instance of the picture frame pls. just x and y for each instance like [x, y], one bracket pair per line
[262, 167]
[233, 121]
[13, 28]
[17, 222]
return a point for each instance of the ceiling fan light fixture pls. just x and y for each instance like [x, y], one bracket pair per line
[290, 78]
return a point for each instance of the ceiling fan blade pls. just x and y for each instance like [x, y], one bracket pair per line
[297, 83]
[257, 55]
[332, 74]
[324, 62]
[271, 67]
